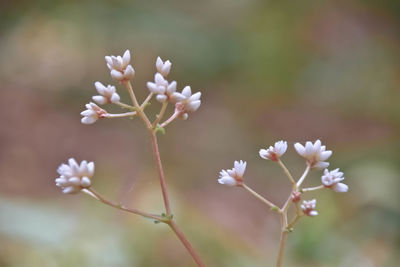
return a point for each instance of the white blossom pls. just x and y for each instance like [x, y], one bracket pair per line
[74, 177]
[92, 113]
[315, 154]
[308, 207]
[274, 152]
[187, 102]
[234, 176]
[107, 94]
[162, 88]
[163, 67]
[120, 69]
[332, 179]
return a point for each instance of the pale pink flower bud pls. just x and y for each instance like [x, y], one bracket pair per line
[332, 180]
[315, 154]
[308, 207]
[234, 176]
[74, 177]
[274, 152]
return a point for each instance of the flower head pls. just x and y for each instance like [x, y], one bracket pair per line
[332, 179]
[120, 69]
[315, 154]
[274, 152]
[107, 94]
[74, 177]
[186, 102]
[308, 207]
[92, 113]
[162, 88]
[163, 67]
[234, 176]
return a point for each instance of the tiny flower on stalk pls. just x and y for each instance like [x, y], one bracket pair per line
[274, 152]
[308, 207]
[162, 88]
[107, 94]
[296, 196]
[187, 103]
[92, 113]
[234, 176]
[332, 179]
[120, 69]
[74, 177]
[163, 67]
[315, 154]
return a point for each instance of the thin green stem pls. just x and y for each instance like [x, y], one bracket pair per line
[123, 105]
[100, 198]
[303, 177]
[287, 172]
[160, 115]
[258, 196]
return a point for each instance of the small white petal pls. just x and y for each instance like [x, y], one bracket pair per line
[115, 98]
[187, 91]
[129, 72]
[161, 98]
[88, 120]
[85, 182]
[340, 188]
[74, 181]
[321, 165]
[226, 180]
[299, 148]
[101, 100]
[313, 213]
[116, 75]
[126, 58]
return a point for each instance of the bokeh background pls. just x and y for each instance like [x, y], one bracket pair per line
[268, 70]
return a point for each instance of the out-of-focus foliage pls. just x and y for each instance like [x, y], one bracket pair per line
[268, 70]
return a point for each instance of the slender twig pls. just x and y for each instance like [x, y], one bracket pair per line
[120, 115]
[160, 172]
[282, 242]
[170, 119]
[301, 180]
[123, 105]
[312, 188]
[186, 243]
[288, 174]
[254, 193]
[160, 115]
[97, 196]
[143, 105]
[136, 104]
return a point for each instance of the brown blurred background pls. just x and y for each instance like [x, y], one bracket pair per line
[268, 70]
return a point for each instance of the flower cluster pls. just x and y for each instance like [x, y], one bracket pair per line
[107, 94]
[332, 179]
[120, 69]
[234, 176]
[315, 155]
[308, 207]
[92, 113]
[74, 177]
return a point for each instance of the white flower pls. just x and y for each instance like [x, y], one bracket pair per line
[92, 113]
[315, 154]
[308, 207]
[187, 102]
[274, 152]
[233, 177]
[163, 67]
[120, 69]
[332, 179]
[73, 177]
[107, 94]
[162, 88]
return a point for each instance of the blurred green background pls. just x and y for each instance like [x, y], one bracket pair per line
[268, 70]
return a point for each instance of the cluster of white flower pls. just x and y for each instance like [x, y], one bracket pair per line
[308, 207]
[120, 69]
[74, 177]
[315, 155]
[234, 176]
[92, 113]
[332, 179]
[166, 91]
